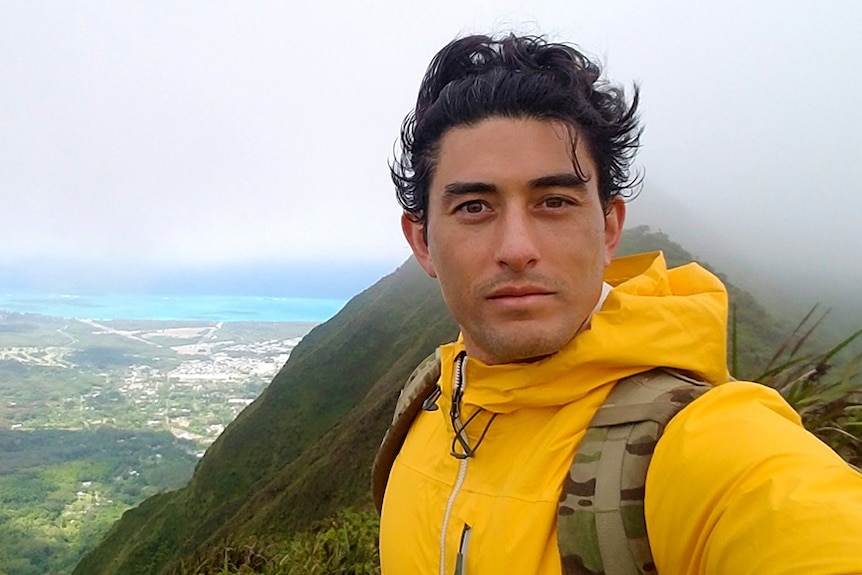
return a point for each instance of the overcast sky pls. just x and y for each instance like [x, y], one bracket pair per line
[214, 132]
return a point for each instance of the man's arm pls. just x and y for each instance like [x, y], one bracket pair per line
[737, 486]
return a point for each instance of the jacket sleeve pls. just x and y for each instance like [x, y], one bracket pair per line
[737, 486]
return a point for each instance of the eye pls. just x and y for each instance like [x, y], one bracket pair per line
[471, 207]
[556, 202]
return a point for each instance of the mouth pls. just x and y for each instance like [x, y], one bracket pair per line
[518, 292]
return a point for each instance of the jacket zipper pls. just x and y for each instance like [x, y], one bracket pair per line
[462, 471]
[461, 559]
[455, 412]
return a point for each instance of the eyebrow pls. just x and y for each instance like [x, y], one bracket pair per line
[564, 180]
[570, 180]
[461, 188]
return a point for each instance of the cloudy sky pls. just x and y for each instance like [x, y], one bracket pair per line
[154, 133]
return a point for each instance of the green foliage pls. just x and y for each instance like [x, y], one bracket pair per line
[823, 388]
[60, 491]
[31, 385]
[303, 450]
[642, 239]
[20, 329]
[67, 472]
[343, 544]
[756, 333]
[102, 357]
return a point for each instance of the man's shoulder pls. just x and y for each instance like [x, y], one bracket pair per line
[738, 431]
[734, 476]
[737, 401]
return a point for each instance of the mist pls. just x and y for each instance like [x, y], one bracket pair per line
[154, 136]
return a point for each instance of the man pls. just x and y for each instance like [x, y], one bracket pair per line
[514, 166]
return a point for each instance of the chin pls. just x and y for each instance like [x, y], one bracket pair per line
[525, 350]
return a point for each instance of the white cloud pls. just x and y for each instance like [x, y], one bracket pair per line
[230, 131]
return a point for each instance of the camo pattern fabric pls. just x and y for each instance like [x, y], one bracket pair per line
[601, 529]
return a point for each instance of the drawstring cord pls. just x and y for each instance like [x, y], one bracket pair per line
[455, 415]
[461, 437]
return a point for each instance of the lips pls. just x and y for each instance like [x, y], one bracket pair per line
[518, 291]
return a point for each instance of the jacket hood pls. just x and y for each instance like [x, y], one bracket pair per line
[648, 320]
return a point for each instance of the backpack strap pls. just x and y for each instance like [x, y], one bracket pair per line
[601, 528]
[420, 385]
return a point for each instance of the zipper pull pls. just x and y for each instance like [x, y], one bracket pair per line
[461, 558]
[458, 387]
[430, 403]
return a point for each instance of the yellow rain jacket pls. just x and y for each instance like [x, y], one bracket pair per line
[736, 485]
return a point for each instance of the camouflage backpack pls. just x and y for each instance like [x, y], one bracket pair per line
[601, 529]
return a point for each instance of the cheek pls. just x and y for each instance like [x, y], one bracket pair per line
[449, 259]
[452, 282]
[453, 274]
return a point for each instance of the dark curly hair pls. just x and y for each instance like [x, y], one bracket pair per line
[477, 77]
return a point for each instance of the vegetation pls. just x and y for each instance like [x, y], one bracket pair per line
[92, 416]
[285, 488]
[144, 375]
[60, 491]
[302, 451]
[300, 455]
[756, 332]
[341, 545]
[825, 389]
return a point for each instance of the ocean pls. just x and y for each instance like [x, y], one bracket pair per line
[174, 307]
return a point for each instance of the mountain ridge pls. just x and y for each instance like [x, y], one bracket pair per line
[303, 449]
[233, 477]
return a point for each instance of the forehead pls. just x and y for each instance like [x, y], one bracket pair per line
[509, 149]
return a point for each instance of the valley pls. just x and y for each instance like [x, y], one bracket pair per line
[96, 416]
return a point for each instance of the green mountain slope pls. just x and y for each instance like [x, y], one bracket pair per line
[758, 334]
[303, 449]
[251, 477]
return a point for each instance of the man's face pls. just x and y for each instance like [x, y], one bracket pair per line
[518, 241]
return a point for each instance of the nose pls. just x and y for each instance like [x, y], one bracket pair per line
[517, 246]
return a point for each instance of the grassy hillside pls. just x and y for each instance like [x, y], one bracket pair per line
[61, 490]
[757, 333]
[295, 454]
[303, 450]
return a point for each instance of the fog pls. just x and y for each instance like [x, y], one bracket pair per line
[140, 136]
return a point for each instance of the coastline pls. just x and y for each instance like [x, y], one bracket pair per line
[211, 308]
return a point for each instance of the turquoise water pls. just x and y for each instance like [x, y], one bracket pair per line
[184, 307]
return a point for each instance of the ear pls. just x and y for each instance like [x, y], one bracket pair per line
[414, 232]
[614, 221]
